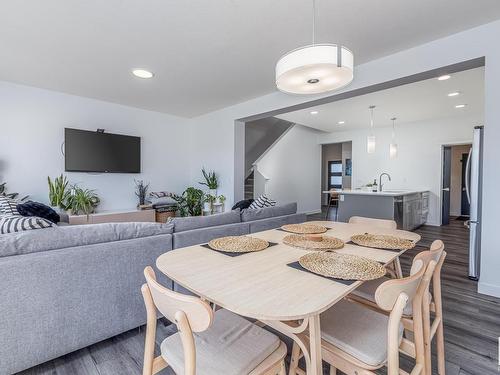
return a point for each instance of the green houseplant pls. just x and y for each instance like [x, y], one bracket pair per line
[211, 181]
[82, 201]
[190, 202]
[58, 192]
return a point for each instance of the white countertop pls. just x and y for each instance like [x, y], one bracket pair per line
[385, 193]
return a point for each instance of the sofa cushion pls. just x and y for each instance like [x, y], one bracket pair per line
[18, 223]
[182, 224]
[261, 202]
[8, 206]
[59, 237]
[267, 212]
[31, 208]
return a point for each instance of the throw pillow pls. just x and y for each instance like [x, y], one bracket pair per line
[242, 204]
[11, 224]
[38, 209]
[8, 206]
[262, 202]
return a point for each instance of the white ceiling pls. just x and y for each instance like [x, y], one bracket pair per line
[205, 54]
[420, 101]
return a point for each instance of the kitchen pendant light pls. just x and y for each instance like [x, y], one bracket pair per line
[315, 68]
[393, 147]
[370, 140]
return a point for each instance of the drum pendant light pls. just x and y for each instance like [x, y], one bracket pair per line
[316, 68]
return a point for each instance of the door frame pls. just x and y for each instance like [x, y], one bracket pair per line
[441, 166]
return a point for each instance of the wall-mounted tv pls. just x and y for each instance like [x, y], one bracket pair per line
[88, 151]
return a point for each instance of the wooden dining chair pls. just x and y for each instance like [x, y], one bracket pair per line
[358, 340]
[365, 294]
[379, 223]
[333, 201]
[206, 342]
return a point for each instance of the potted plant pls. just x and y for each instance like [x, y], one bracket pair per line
[190, 202]
[82, 201]
[141, 190]
[58, 192]
[3, 192]
[209, 201]
[211, 181]
[221, 199]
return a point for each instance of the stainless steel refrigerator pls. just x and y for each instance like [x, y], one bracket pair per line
[473, 186]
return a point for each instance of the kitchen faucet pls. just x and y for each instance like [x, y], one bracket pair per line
[380, 180]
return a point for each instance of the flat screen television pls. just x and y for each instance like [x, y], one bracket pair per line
[88, 151]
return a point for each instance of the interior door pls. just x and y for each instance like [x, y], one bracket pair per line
[465, 206]
[445, 193]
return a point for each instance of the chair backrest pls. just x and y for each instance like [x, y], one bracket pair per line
[379, 223]
[434, 253]
[198, 313]
[388, 292]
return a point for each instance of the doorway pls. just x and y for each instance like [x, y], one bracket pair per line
[455, 204]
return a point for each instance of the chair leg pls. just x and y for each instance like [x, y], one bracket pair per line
[282, 368]
[337, 212]
[440, 348]
[333, 370]
[328, 209]
[426, 325]
[294, 359]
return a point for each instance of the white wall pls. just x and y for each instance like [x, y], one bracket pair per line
[218, 131]
[293, 169]
[418, 165]
[32, 123]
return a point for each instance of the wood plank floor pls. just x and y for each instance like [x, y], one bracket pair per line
[471, 320]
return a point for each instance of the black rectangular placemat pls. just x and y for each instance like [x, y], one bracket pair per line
[297, 266]
[231, 254]
[376, 248]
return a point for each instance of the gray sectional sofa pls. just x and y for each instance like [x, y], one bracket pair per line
[64, 288]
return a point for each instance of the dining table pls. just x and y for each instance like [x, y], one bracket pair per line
[267, 287]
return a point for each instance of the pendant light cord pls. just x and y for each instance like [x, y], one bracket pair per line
[314, 22]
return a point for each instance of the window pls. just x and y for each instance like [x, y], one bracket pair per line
[335, 174]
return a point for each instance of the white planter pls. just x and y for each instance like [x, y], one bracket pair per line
[206, 206]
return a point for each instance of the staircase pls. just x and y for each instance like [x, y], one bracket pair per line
[249, 183]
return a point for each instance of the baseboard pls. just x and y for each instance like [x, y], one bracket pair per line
[488, 289]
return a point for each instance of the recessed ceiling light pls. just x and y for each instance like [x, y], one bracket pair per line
[455, 93]
[444, 78]
[460, 105]
[314, 112]
[341, 122]
[141, 73]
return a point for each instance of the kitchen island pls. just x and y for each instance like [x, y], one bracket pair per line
[409, 208]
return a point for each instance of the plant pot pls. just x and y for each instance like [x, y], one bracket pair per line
[206, 206]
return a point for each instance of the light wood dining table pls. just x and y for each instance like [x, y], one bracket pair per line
[261, 285]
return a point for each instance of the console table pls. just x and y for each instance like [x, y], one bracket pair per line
[121, 216]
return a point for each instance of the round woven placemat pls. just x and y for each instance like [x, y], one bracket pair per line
[342, 266]
[381, 241]
[323, 243]
[238, 244]
[304, 228]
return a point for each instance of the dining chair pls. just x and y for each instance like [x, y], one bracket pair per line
[379, 223]
[394, 267]
[365, 294]
[207, 342]
[358, 340]
[333, 201]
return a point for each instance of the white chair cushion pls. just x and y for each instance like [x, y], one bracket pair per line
[358, 331]
[232, 346]
[368, 288]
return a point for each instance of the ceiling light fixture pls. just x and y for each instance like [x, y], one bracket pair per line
[341, 122]
[314, 112]
[142, 73]
[393, 147]
[460, 105]
[370, 140]
[316, 68]
[455, 93]
[444, 77]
